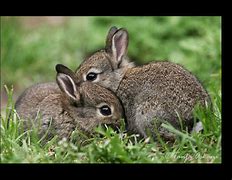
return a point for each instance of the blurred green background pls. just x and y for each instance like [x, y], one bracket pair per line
[32, 46]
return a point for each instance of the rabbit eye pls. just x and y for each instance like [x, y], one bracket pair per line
[91, 76]
[105, 110]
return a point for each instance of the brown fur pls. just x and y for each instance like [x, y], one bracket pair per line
[152, 93]
[47, 103]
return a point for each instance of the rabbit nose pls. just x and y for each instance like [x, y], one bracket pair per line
[116, 119]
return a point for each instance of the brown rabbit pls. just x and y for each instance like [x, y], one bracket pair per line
[68, 106]
[153, 93]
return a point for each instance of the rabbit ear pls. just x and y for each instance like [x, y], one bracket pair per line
[116, 44]
[67, 85]
[111, 32]
[119, 45]
[60, 68]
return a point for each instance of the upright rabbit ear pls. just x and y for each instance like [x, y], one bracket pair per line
[68, 86]
[66, 82]
[60, 68]
[109, 37]
[119, 45]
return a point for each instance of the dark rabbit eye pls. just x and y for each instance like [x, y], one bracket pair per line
[91, 76]
[105, 110]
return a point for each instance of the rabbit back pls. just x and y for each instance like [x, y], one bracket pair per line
[160, 90]
[40, 106]
[28, 102]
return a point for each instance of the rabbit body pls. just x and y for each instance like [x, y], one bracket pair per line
[60, 109]
[41, 105]
[157, 92]
[163, 91]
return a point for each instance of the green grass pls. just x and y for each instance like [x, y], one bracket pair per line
[107, 146]
[31, 49]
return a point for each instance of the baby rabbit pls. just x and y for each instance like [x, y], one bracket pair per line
[153, 93]
[67, 106]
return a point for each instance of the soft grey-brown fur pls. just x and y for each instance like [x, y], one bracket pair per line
[66, 109]
[153, 93]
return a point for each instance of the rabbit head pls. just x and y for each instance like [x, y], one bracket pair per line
[88, 103]
[107, 66]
